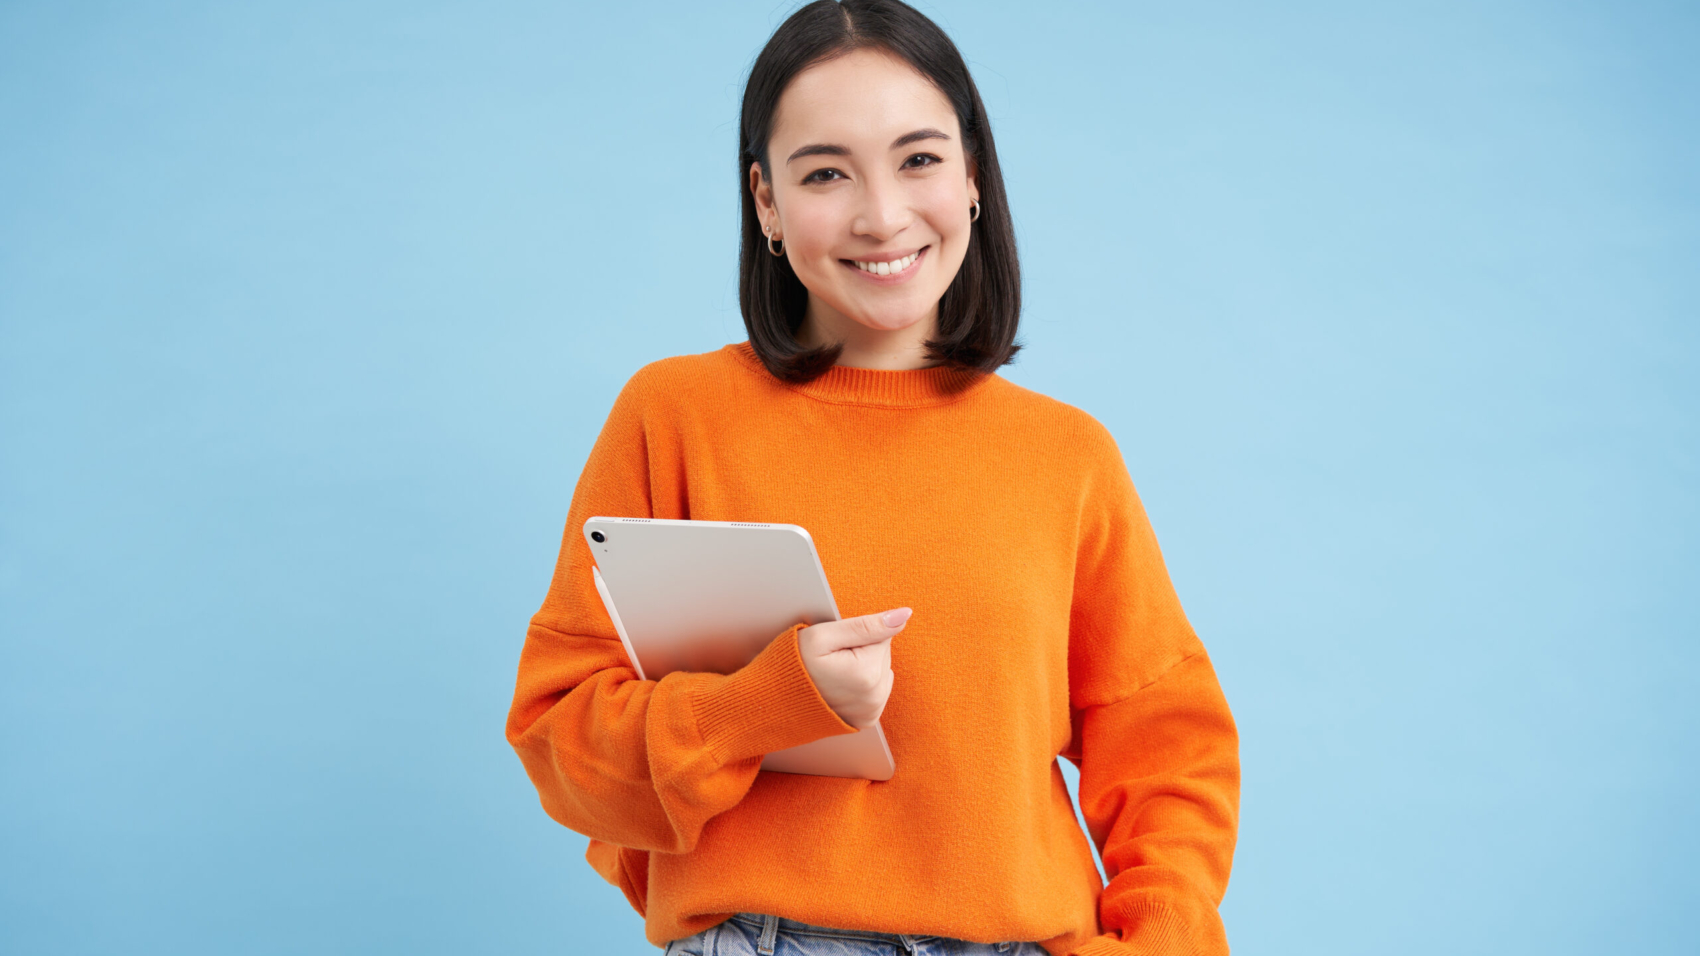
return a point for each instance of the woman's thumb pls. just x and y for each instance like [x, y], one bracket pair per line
[861, 631]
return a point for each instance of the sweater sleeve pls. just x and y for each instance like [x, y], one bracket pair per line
[642, 764]
[1156, 745]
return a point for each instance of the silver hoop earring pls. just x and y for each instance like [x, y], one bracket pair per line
[976, 215]
[778, 252]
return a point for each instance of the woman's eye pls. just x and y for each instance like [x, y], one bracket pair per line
[811, 178]
[933, 160]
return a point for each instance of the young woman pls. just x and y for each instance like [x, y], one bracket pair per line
[880, 292]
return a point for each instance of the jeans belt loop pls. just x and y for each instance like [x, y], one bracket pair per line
[769, 933]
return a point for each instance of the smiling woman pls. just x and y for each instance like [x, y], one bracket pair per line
[996, 528]
[875, 230]
[871, 170]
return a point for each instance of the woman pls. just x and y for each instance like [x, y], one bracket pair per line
[880, 292]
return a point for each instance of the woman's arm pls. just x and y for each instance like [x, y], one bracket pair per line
[1159, 787]
[642, 763]
[1155, 742]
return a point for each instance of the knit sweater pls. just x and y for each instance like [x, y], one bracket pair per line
[1044, 625]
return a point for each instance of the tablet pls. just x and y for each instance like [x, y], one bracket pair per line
[690, 595]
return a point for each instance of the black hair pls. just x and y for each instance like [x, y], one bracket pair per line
[979, 312]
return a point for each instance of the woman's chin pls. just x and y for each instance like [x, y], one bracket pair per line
[888, 321]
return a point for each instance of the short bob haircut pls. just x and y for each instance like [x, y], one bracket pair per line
[979, 312]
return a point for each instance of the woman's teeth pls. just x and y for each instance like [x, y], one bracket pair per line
[887, 268]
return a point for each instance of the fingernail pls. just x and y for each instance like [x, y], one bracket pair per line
[894, 618]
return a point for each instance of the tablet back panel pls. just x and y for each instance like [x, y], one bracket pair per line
[709, 596]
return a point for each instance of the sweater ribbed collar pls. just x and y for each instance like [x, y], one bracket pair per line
[887, 388]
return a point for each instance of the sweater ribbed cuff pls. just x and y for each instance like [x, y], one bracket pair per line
[1158, 932]
[769, 704]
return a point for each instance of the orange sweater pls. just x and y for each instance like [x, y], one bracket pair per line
[1044, 625]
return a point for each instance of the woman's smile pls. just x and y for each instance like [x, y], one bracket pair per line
[887, 270]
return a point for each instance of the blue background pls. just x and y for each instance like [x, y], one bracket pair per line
[309, 314]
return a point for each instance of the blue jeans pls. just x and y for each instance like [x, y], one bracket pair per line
[757, 934]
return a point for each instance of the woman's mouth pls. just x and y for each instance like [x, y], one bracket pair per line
[888, 271]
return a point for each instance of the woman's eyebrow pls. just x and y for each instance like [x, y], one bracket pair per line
[826, 149]
[817, 149]
[917, 136]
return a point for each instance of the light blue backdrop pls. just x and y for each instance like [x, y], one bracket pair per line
[309, 314]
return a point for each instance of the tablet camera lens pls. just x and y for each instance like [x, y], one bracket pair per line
[597, 537]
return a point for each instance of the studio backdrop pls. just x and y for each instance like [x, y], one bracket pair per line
[310, 313]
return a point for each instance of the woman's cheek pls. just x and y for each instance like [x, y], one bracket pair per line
[815, 225]
[949, 213]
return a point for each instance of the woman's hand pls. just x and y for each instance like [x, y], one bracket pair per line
[850, 663]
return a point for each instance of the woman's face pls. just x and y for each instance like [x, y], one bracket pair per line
[868, 171]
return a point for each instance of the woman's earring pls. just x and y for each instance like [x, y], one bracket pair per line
[778, 252]
[976, 211]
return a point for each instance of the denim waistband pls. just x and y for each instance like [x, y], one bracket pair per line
[756, 921]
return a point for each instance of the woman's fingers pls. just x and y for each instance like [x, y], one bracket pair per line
[859, 631]
[857, 683]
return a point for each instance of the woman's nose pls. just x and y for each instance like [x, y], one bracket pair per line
[883, 211]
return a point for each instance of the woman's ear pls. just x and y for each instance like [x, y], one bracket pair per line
[762, 191]
[973, 180]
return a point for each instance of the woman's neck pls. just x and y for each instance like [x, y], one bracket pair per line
[866, 347]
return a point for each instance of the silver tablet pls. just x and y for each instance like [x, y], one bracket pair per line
[708, 596]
